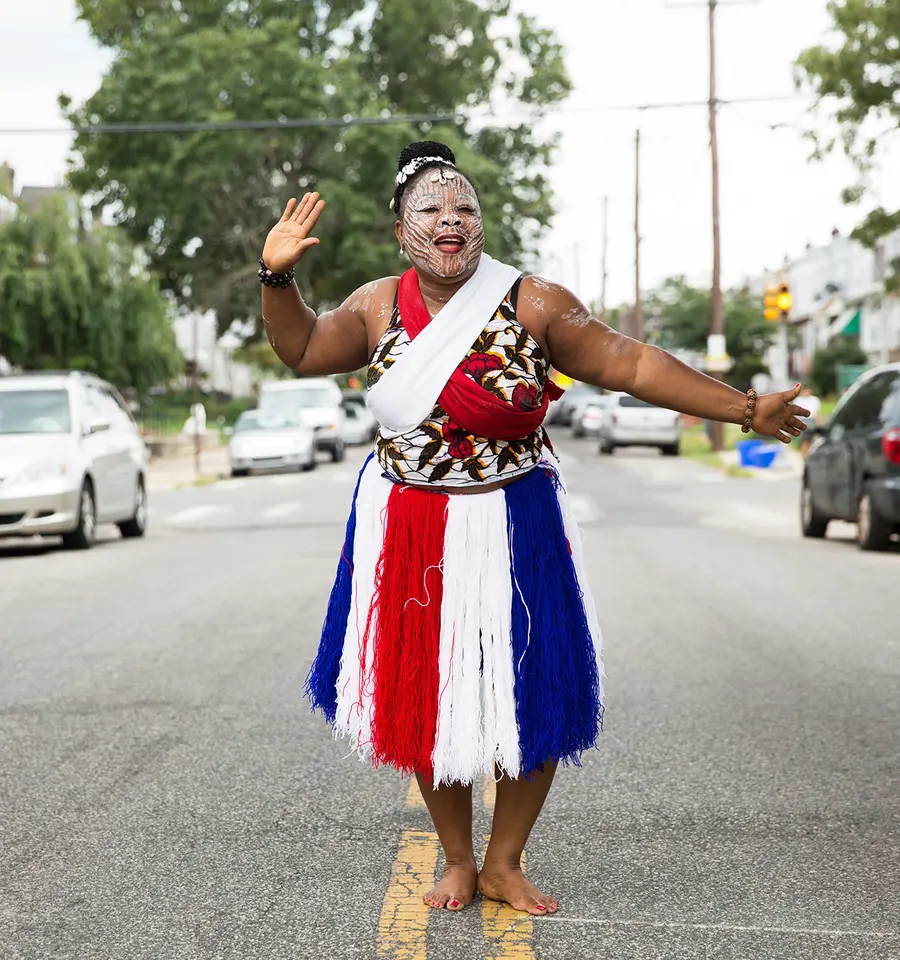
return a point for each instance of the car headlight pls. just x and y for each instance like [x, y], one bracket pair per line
[40, 471]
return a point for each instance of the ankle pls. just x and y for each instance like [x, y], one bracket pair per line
[502, 862]
[460, 860]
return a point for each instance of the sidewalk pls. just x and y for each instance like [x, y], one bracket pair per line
[788, 465]
[168, 473]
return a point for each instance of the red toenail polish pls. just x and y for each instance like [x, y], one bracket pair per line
[454, 903]
[540, 906]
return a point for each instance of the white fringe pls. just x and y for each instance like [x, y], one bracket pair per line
[355, 686]
[575, 537]
[476, 724]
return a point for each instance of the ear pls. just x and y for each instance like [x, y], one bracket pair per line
[398, 232]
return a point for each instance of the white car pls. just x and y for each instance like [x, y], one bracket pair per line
[587, 418]
[268, 441]
[629, 422]
[317, 401]
[71, 457]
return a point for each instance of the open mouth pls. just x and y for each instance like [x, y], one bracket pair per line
[450, 242]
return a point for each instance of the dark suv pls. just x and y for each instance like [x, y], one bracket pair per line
[853, 470]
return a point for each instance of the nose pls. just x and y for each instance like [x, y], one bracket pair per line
[451, 220]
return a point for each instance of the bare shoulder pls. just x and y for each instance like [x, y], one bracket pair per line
[373, 303]
[544, 301]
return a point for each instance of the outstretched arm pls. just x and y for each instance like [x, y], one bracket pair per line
[585, 349]
[335, 342]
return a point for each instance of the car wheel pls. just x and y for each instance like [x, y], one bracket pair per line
[136, 525]
[873, 532]
[606, 446]
[240, 473]
[83, 535]
[309, 465]
[337, 453]
[671, 450]
[812, 523]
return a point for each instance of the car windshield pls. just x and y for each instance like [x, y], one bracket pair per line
[633, 402]
[34, 411]
[291, 400]
[255, 421]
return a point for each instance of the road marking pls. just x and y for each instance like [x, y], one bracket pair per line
[281, 510]
[490, 791]
[414, 798]
[403, 928]
[509, 933]
[585, 509]
[725, 927]
[193, 514]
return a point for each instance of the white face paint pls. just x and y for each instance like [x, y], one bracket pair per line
[441, 230]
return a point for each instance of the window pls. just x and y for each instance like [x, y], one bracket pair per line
[890, 408]
[634, 402]
[862, 409]
[34, 411]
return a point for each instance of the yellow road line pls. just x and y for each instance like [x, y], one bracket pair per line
[414, 798]
[508, 933]
[403, 929]
[490, 791]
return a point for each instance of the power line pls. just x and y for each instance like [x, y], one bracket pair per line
[294, 123]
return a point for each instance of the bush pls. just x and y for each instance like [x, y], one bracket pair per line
[823, 374]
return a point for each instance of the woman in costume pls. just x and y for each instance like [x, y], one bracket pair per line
[461, 638]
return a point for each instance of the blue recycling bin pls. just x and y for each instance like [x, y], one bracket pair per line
[746, 450]
[763, 457]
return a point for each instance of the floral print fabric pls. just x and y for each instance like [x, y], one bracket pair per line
[506, 361]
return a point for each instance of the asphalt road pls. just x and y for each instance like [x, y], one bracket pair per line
[165, 793]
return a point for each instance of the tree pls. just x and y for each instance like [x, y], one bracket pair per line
[200, 203]
[861, 72]
[77, 298]
[677, 318]
[825, 362]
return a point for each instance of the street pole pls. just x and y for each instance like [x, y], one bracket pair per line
[716, 341]
[638, 319]
[195, 389]
[604, 273]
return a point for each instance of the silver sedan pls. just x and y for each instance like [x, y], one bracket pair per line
[264, 441]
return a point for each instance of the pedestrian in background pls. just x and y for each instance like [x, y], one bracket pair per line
[461, 639]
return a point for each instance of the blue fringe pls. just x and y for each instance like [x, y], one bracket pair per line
[321, 684]
[557, 685]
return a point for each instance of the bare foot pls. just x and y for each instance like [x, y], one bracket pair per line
[455, 888]
[509, 885]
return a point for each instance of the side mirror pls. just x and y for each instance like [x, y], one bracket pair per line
[97, 425]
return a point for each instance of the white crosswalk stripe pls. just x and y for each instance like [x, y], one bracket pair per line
[281, 510]
[202, 511]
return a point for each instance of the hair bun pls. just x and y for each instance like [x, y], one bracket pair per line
[425, 148]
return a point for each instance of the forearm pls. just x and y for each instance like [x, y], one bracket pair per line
[288, 323]
[661, 379]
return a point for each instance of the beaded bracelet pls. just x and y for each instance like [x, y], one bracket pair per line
[752, 396]
[269, 278]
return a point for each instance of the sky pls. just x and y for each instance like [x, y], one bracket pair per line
[774, 201]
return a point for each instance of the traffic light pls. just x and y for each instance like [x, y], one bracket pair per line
[778, 302]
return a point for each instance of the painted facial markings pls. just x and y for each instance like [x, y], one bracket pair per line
[442, 204]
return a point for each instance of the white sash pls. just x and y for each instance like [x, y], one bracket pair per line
[407, 392]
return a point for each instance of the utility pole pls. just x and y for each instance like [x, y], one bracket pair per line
[195, 389]
[716, 349]
[637, 330]
[604, 273]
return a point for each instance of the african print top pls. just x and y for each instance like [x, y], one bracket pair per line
[506, 360]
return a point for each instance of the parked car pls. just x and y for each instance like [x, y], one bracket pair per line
[361, 425]
[587, 418]
[317, 400]
[629, 422]
[268, 441]
[71, 457]
[852, 471]
[560, 411]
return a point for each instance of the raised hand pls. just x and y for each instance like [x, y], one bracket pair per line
[778, 416]
[290, 238]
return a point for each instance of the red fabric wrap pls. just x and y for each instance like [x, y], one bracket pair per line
[409, 589]
[467, 403]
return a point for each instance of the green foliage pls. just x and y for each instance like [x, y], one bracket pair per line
[842, 351]
[859, 74]
[201, 203]
[76, 298]
[677, 318]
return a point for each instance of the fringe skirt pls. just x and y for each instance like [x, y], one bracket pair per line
[461, 635]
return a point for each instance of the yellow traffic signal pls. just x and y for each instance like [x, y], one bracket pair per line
[777, 302]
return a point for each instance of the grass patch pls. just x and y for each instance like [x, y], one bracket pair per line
[695, 444]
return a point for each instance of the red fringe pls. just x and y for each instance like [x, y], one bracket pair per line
[409, 585]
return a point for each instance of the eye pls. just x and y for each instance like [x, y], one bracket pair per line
[431, 209]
